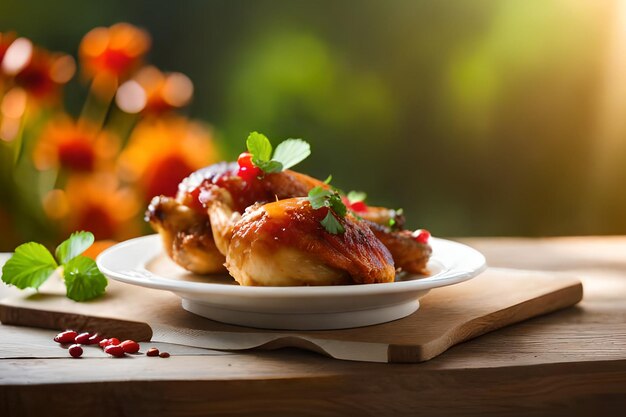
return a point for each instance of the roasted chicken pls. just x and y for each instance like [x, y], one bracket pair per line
[283, 244]
[187, 232]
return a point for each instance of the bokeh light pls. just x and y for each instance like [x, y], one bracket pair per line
[17, 56]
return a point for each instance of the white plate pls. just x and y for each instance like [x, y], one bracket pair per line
[140, 262]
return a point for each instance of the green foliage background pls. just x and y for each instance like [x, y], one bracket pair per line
[476, 117]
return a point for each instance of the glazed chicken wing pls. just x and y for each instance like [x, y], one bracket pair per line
[283, 244]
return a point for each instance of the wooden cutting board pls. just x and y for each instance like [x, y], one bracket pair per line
[447, 316]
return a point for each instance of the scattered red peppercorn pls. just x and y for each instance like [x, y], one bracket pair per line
[152, 352]
[114, 350]
[164, 355]
[76, 351]
[95, 339]
[130, 346]
[103, 343]
[66, 337]
[113, 341]
[421, 235]
[82, 338]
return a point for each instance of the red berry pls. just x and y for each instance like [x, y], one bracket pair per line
[95, 339]
[130, 346]
[107, 342]
[247, 170]
[358, 206]
[152, 352]
[421, 236]
[164, 355]
[66, 337]
[75, 351]
[114, 350]
[244, 173]
[245, 160]
[82, 338]
[249, 174]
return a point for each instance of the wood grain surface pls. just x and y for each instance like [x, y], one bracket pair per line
[447, 316]
[570, 363]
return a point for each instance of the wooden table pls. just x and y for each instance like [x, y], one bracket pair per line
[568, 363]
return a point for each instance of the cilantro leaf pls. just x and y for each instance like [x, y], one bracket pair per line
[83, 279]
[259, 146]
[291, 152]
[318, 197]
[29, 267]
[76, 244]
[337, 205]
[331, 224]
[356, 196]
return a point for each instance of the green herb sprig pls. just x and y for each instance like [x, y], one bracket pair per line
[320, 197]
[356, 197]
[32, 264]
[287, 154]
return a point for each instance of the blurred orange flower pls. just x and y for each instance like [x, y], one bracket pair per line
[115, 51]
[37, 71]
[161, 152]
[153, 92]
[96, 203]
[75, 147]
[45, 73]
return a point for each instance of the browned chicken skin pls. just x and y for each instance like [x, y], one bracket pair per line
[186, 231]
[186, 235]
[283, 243]
[408, 254]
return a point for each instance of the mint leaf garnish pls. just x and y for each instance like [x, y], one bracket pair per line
[287, 153]
[291, 152]
[32, 264]
[76, 244]
[259, 146]
[29, 267]
[83, 279]
[331, 224]
[269, 166]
